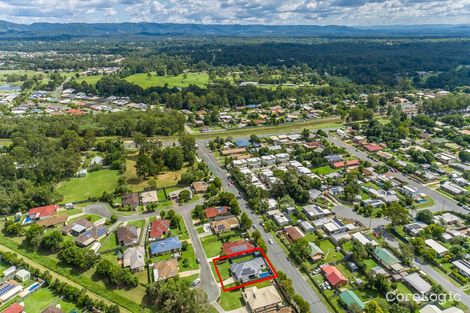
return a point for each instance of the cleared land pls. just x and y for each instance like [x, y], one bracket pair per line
[182, 80]
[91, 186]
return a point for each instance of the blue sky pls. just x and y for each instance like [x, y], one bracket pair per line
[321, 12]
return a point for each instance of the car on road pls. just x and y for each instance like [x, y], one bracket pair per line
[254, 226]
[198, 260]
[196, 282]
[270, 241]
[239, 197]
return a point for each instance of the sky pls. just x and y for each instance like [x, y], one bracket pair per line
[279, 12]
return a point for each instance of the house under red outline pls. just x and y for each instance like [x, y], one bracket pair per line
[255, 281]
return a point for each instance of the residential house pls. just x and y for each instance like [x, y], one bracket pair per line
[158, 229]
[348, 298]
[127, 235]
[313, 211]
[437, 247]
[148, 197]
[387, 259]
[248, 270]
[167, 245]
[334, 276]
[453, 188]
[364, 239]
[418, 284]
[236, 246]
[53, 221]
[14, 308]
[414, 228]
[307, 227]
[175, 195]
[134, 258]
[265, 299]
[78, 227]
[315, 252]
[212, 213]
[335, 226]
[52, 309]
[224, 225]
[463, 266]
[131, 199]
[92, 235]
[293, 233]
[200, 187]
[43, 212]
[431, 308]
[165, 269]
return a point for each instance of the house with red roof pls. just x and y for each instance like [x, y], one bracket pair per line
[14, 308]
[373, 147]
[334, 276]
[42, 212]
[236, 246]
[212, 213]
[158, 229]
[348, 163]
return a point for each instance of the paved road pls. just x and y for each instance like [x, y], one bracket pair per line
[275, 252]
[444, 282]
[345, 212]
[440, 201]
[208, 283]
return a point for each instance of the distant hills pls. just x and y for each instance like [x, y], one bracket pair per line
[10, 30]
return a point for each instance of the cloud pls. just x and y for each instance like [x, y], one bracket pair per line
[343, 12]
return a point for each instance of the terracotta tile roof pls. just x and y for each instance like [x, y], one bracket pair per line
[41, 211]
[218, 211]
[333, 275]
[159, 228]
[236, 246]
[14, 308]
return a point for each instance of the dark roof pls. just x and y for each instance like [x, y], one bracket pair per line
[127, 234]
[131, 199]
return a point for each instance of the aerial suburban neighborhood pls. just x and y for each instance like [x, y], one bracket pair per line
[198, 166]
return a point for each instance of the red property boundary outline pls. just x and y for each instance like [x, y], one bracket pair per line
[271, 267]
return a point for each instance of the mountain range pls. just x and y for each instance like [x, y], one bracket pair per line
[10, 30]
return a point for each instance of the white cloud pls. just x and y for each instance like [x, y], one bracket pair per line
[345, 12]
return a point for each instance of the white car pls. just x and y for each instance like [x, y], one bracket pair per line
[270, 241]
[196, 282]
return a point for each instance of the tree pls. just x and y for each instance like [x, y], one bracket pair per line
[173, 158]
[373, 307]
[176, 295]
[245, 222]
[464, 156]
[34, 234]
[184, 196]
[52, 240]
[425, 216]
[396, 214]
[304, 306]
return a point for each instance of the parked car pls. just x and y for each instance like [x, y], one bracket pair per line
[196, 282]
[270, 241]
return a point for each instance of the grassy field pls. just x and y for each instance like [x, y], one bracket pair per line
[331, 254]
[42, 299]
[182, 80]
[231, 300]
[164, 180]
[92, 79]
[93, 185]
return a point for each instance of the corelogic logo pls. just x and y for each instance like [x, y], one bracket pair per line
[393, 296]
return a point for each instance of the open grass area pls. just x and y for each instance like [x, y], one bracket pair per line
[42, 298]
[190, 256]
[213, 244]
[231, 300]
[91, 217]
[325, 170]
[224, 270]
[92, 79]
[91, 186]
[331, 255]
[182, 80]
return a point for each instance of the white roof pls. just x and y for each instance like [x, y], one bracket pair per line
[436, 246]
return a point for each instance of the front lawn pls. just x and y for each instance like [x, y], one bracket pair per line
[91, 186]
[42, 298]
[231, 300]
